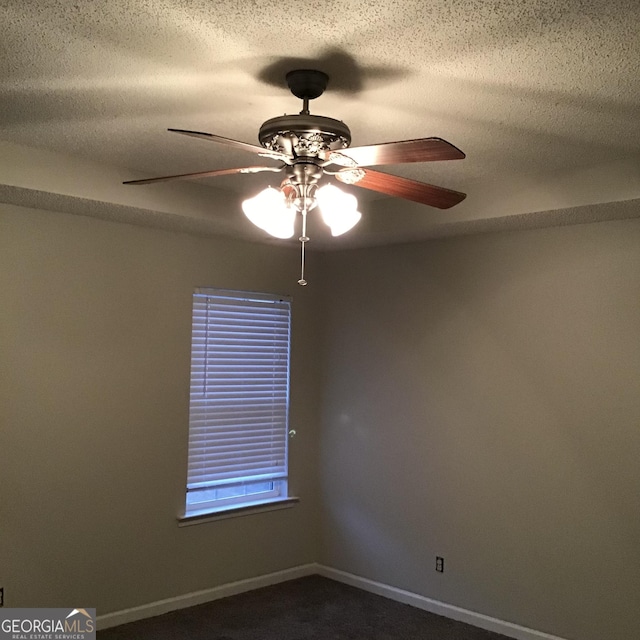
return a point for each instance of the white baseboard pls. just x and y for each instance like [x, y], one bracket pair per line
[200, 597]
[434, 606]
[393, 593]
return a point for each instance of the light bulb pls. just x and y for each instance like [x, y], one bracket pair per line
[269, 211]
[338, 209]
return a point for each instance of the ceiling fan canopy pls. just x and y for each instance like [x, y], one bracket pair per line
[309, 147]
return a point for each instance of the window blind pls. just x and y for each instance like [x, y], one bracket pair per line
[238, 416]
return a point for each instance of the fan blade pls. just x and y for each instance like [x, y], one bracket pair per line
[261, 151]
[421, 150]
[206, 174]
[403, 188]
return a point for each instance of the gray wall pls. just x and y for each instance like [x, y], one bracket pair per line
[482, 403]
[94, 361]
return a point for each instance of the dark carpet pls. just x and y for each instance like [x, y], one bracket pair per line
[312, 608]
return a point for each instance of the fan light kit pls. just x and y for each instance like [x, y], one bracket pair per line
[309, 147]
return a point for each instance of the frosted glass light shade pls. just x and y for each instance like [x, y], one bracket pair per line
[269, 211]
[338, 209]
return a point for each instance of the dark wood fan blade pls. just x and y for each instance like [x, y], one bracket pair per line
[261, 151]
[421, 150]
[404, 188]
[206, 174]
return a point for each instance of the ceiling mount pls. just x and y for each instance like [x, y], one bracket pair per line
[307, 84]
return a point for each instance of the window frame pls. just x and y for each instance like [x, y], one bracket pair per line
[277, 495]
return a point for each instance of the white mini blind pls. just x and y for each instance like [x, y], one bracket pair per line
[239, 403]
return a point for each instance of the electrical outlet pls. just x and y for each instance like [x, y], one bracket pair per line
[1, 596]
[439, 564]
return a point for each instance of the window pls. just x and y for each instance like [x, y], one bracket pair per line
[239, 404]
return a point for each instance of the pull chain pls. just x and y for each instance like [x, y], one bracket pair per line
[303, 240]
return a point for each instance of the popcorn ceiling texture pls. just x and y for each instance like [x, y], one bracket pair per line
[535, 92]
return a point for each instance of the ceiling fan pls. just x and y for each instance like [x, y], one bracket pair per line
[308, 147]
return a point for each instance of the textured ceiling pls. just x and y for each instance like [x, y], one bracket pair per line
[543, 97]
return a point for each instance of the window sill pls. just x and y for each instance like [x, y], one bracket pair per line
[236, 511]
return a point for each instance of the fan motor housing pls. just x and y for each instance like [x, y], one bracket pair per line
[310, 135]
